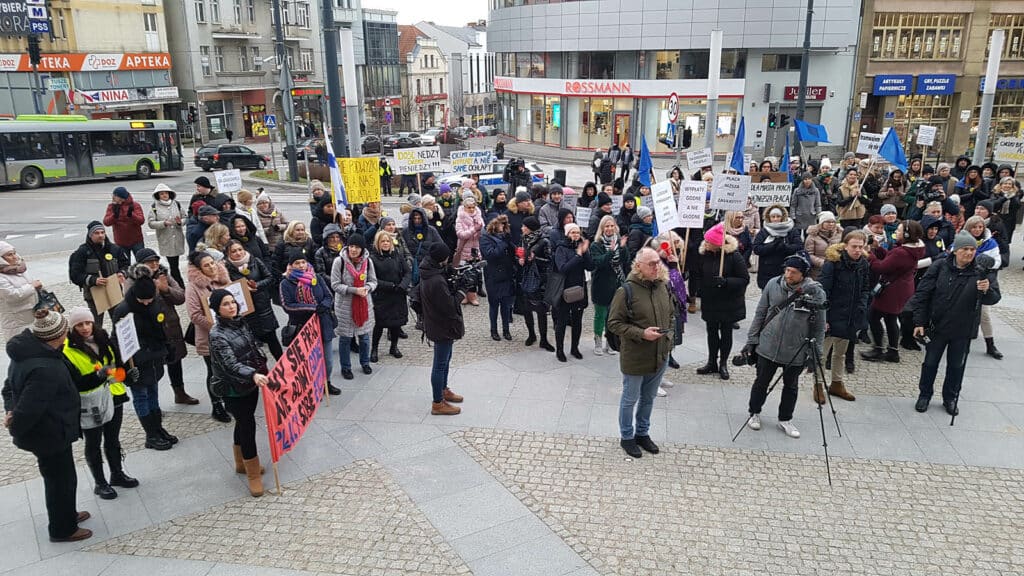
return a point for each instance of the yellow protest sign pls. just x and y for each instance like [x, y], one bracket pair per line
[362, 179]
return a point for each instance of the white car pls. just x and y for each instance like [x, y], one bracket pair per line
[493, 178]
[486, 130]
[429, 138]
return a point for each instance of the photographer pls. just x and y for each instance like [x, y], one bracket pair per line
[516, 174]
[442, 324]
[794, 301]
[947, 312]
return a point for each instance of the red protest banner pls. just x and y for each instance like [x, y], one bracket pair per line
[297, 384]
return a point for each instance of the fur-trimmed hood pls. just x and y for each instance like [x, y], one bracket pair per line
[834, 252]
[731, 245]
[513, 208]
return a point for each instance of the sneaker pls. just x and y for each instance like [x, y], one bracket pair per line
[661, 392]
[789, 428]
[666, 383]
[754, 422]
[631, 448]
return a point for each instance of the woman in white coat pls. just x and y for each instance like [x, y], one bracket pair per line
[17, 293]
[168, 219]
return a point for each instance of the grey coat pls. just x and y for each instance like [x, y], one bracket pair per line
[170, 239]
[781, 339]
[804, 206]
[341, 283]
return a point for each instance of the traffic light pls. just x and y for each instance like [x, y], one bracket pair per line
[33, 49]
[191, 114]
[784, 121]
[772, 123]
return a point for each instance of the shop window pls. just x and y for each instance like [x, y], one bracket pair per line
[1007, 112]
[597, 65]
[913, 110]
[780, 62]
[666, 65]
[1013, 24]
[552, 120]
[917, 36]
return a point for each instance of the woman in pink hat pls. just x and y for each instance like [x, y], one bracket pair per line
[724, 280]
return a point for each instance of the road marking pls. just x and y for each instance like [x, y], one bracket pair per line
[38, 236]
[60, 217]
[71, 235]
[13, 236]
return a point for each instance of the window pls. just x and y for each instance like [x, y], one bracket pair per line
[152, 34]
[218, 58]
[250, 10]
[917, 36]
[200, 10]
[419, 90]
[1013, 49]
[302, 14]
[780, 62]
[597, 65]
[62, 29]
[430, 85]
[243, 58]
[306, 60]
[291, 57]
[215, 11]
[31, 146]
[257, 60]
[236, 9]
[204, 60]
[440, 85]
[286, 14]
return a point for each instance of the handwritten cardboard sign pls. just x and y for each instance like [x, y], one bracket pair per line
[699, 159]
[413, 160]
[692, 197]
[297, 385]
[470, 161]
[764, 194]
[730, 191]
[665, 211]
[228, 181]
[127, 337]
[362, 179]
[1010, 150]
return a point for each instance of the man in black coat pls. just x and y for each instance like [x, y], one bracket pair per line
[95, 262]
[846, 278]
[442, 324]
[41, 406]
[947, 309]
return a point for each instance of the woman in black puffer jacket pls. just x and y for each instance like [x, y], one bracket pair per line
[239, 370]
[572, 260]
[390, 306]
[778, 239]
[242, 265]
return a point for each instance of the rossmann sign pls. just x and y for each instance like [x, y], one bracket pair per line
[597, 88]
[692, 88]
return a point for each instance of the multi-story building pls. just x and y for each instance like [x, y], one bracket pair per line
[923, 63]
[471, 96]
[585, 74]
[424, 73]
[226, 64]
[86, 69]
[381, 75]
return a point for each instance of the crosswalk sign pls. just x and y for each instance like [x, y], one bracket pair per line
[270, 120]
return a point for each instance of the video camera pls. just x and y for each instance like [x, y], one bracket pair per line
[467, 276]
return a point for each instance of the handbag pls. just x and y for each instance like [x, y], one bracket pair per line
[532, 279]
[47, 301]
[190, 334]
[97, 407]
[288, 334]
[553, 290]
[573, 294]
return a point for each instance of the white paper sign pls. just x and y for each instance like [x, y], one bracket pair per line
[699, 159]
[1010, 150]
[583, 216]
[469, 161]
[616, 204]
[238, 292]
[665, 210]
[869, 143]
[763, 194]
[692, 197]
[127, 338]
[647, 201]
[730, 191]
[569, 202]
[926, 135]
[413, 160]
[228, 181]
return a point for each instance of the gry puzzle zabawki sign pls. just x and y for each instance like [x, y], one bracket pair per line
[296, 388]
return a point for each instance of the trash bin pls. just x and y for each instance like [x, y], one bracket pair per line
[559, 177]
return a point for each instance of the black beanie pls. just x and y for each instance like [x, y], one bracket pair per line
[439, 252]
[216, 297]
[532, 223]
[357, 240]
[296, 254]
[603, 199]
[144, 288]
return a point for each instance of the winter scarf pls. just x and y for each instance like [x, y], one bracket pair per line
[644, 227]
[360, 304]
[778, 229]
[243, 264]
[735, 231]
[372, 215]
[18, 268]
[165, 203]
[304, 285]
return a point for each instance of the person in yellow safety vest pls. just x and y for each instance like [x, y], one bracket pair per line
[100, 379]
[385, 176]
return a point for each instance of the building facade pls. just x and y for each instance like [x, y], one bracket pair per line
[381, 75]
[471, 97]
[84, 69]
[227, 69]
[601, 71]
[923, 63]
[424, 73]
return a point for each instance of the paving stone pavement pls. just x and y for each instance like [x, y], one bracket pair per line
[696, 510]
[355, 521]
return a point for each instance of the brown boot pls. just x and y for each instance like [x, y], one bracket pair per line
[819, 393]
[443, 408]
[182, 397]
[239, 463]
[78, 535]
[450, 396]
[255, 476]
[837, 389]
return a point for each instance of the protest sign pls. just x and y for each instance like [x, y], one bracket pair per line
[583, 216]
[692, 197]
[470, 161]
[616, 204]
[699, 159]
[1010, 150]
[228, 181]
[729, 192]
[361, 177]
[869, 143]
[413, 160]
[763, 194]
[926, 135]
[127, 337]
[569, 202]
[646, 201]
[665, 210]
[295, 389]
[243, 298]
[106, 297]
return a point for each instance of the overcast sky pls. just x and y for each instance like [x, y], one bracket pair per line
[446, 13]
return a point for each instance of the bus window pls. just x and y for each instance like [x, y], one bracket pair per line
[32, 146]
[100, 143]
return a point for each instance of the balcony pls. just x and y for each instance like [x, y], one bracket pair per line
[232, 32]
[345, 15]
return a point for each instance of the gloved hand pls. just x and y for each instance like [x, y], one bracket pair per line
[133, 374]
[323, 309]
[749, 350]
[719, 282]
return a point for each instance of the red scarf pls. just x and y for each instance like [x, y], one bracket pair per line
[360, 304]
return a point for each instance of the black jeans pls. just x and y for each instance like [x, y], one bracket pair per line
[542, 324]
[175, 268]
[892, 328]
[272, 342]
[176, 375]
[109, 434]
[378, 332]
[719, 340]
[956, 360]
[243, 408]
[766, 370]
[385, 185]
[502, 305]
[59, 484]
[573, 318]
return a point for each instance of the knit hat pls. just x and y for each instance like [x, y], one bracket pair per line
[263, 197]
[603, 199]
[428, 200]
[445, 187]
[849, 155]
[469, 198]
[826, 216]
[797, 262]
[532, 223]
[468, 182]
[207, 210]
[807, 176]
[295, 254]
[439, 252]
[144, 288]
[643, 212]
[570, 227]
[357, 240]
[888, 209]
[415, 199]
[121, 192]
[332, 229]
[93, 226]
[555, 188]
[936, 181]
[988, 205]
[826, 164]
[522, 195]
[50, 327]
[146, 254]
[5, 249]
[79, 314]
[203, 181]
[715, 235]
[216, 297]
[964, 239]
[955, 199]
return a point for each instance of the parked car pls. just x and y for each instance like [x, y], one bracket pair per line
[300, 150]
[486, 130]
[492, 177]
[429, 138]
[371, 144]
[396, 142]
[228, 157]
[449, 137]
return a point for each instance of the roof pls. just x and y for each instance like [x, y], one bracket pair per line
[463, 34]
[407, 36]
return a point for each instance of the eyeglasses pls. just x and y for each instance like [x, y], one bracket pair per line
[652, 264]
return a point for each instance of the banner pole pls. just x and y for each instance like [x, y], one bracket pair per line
[277, 480]
[686, 248]
[721, 259]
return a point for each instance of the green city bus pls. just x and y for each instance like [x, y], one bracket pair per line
[42, 149]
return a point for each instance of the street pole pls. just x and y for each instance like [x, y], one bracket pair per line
[34, 55]
[348, 64]
[286, 93]
[805, 61]
[988, 96]
[335, 115]
[714, 74]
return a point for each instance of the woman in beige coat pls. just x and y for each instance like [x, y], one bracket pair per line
[819, 238]
[17, 293]
[167, 217]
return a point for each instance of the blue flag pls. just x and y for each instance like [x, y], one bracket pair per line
[807, 132]
[784, 167]
[892, 150]
[643, 171]
[737, 150]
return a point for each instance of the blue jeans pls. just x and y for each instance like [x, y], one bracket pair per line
[643, 388]
[439, 371]
[328, 357]
[956, 360]
[145, 392]
[344, 348]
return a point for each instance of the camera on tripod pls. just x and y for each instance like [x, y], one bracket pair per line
[468, 276]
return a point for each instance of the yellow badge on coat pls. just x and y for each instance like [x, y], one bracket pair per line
[108, 256]
[313, 281]
[160, 317]
[419, 236]
[362, 277]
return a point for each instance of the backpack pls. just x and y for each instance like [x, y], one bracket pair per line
[613, 339]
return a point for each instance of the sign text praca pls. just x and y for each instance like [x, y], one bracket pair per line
[297, 385]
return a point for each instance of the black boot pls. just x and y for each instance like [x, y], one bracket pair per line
[991, 350]
[378, 331]
[219, 413]
[394, 351]
[576, 331]
[710, 368]
[163, 431]
[154, 440]
[631, 448]
[102, 489]
[506, 333]
[672, 362]
[373, 353]
[333, 390]
[723, 366]
[401, 333]
[494, 335]
[115, 460]
[910, 344]
[647, 444]
[892, 355]
[876, 354]
[560, 343]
